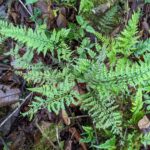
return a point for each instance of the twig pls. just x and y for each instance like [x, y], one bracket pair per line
[77, 117]
[25, 8]
[15, 111]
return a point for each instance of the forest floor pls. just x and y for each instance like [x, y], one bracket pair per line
[46, 131]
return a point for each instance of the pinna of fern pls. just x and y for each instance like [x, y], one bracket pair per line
[57, 96]
[126, 41]
[128, 37]
[103, 110]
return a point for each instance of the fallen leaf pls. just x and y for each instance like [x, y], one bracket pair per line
[8, 95]
[7, 122]
[61, 21]
[144, 123]
[65, 117]
[46, 11]
[145, 26]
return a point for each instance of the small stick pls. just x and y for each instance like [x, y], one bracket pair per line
[25, 8]
[77, 117]
[15, 111]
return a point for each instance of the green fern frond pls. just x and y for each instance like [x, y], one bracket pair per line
[145, 139]
[137, 106]
[21, 62]
[104, 112]
[110, 144]
[2, 38]
[111, 82]
[137, 74]
[57, 95]
[37, 39]
[128, 37]
[85, 49]
[86, 6]
[147, 101]
[46, 76]
[85, 25]
[82, 65]
[107, 22]
[142, 47]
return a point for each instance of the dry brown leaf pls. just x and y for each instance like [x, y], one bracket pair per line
[61, 21]
[145, 26]
[8, 95]
[65, 117]
[144, 123]
[47, 12]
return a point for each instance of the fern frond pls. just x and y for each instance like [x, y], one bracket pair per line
[104, 112]
[128, 37]
[21, 62]
[121, 77]
[145, 139]
[37, 39]
[82, 65]
[147, 102]
[86, 6]
[137, 105]
[142, 47]
[46, 76]
[108, 20]
[57, 95]
[85, 25]
[2, 38]
[110, 144]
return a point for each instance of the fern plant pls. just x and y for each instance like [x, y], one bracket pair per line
[105, 84]
[104, 66]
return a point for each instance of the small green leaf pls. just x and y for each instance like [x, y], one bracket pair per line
[80, 20]
[90, 29]
[31, 1]
[108, 145]
[146, 139]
